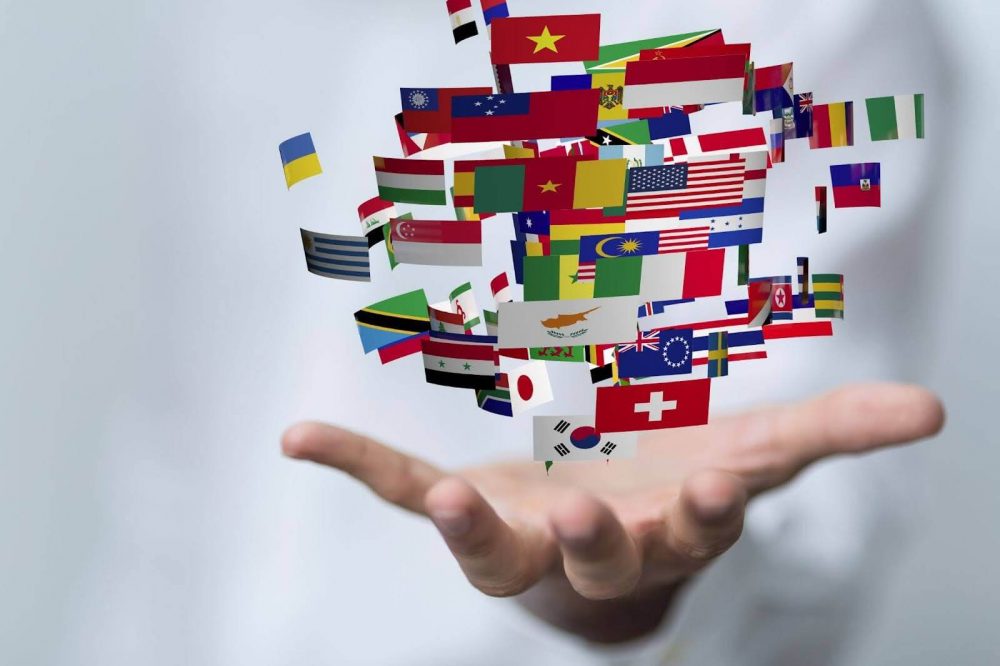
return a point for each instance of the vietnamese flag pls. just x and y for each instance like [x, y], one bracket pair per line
[519, 116]
[652, 406]
[533, 39]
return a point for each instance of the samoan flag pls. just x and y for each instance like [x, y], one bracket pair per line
[657, 354]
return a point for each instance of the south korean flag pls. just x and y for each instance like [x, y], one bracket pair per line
[568, 438]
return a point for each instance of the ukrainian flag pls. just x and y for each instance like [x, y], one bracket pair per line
[299, 158]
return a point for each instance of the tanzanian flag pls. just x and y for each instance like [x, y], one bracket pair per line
[393, 320]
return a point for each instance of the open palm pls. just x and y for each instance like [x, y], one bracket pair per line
[598, 549]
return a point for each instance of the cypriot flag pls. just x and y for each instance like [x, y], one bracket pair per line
[593, 321]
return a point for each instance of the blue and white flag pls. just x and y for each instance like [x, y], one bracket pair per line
[338, 257]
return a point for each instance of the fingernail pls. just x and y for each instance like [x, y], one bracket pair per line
[577, 537]
[452, 523]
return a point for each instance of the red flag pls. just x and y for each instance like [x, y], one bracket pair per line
[652, 406]
[518, 116]
[567, 38]
[429, 109]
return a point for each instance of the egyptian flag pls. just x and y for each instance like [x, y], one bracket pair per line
[463, 21]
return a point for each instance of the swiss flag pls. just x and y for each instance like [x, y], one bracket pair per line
[652, 406]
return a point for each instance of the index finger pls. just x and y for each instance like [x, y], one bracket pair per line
[395, 477]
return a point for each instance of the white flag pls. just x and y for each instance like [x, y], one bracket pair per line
[529, 386]
[569, 438]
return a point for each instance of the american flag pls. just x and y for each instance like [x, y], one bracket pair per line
[662, 192]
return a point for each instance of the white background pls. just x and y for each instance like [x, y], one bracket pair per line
[160, 329]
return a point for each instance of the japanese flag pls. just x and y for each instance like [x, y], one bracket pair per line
[529, 386]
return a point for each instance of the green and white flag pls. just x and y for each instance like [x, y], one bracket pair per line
[899, 117]
[463, 301]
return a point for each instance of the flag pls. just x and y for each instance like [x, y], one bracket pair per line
[678, 81]
[395, 319]
[518, 116]
[338, 257]
[550, 183]
[532, 222]
[828, 295]
[581, 322]
[803, 276]
[781, 298]
[437, 242]
[500, 286]
[461, 361]
[496, 401]
[429, 109]
[653, 406]
[573, 438]
[463, 22]
[490, 319]
[833, 125]
[856, 185]
[444, 320]
[777, 140]
[718, 354]
[821, 209]
[401, 349]
[662, 192]
[494, 9]
[529, 386]
[635, 156]
[615, 57]
[798, 118]
[410, 181]
[463, 301]
[555, 277]
[716, 143]
[682, 275]
[645, 243]
[760, 301]
[558, 354]
[656, 354]
[773, 87]
[645, 131]
[739, 345]
[620, 276]
[375, 213]
[899, 117]
[612, 88]
[299, 159]
[540, 39]
[743, 266]
[571, 225]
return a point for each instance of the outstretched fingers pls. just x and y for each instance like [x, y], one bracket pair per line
[600, 558]
[395, 477]
[496, 558]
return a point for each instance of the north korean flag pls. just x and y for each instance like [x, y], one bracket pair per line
[652, 406]
[527, 39]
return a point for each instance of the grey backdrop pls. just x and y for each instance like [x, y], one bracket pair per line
[159, 331]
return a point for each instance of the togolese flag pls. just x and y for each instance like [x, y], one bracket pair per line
[532, 39]
[828, 295]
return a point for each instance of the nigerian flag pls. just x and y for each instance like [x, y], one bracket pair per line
[899, 117]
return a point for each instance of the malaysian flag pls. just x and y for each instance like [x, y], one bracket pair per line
[642, 243]
[660, 193]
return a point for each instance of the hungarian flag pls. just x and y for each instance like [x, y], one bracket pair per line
[410, 181]
[856, 185]
[652, 406]
[679, 81]
[833, 125]
[429, 109]
[461, 361]
[518, 116]
[437, 242]
[534, 39]
[463, 20]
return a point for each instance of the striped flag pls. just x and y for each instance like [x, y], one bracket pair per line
[828, 295]
[463, 20]
[821, 209]
[338, 257]
[496, 401]
[833, 125]
[410, 181]
[662, 192]
[899, 117]
[500, 286]
[461, 361]
[437, 242]
[681, 148]
[679, 81]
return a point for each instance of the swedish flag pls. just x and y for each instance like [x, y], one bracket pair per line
[718, 354]
[299, 158]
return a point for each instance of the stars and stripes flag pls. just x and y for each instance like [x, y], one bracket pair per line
[664, 191]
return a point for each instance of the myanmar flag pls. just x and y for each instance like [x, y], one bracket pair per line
[533, 39]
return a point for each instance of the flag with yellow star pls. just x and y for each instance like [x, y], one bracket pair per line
[535, 39]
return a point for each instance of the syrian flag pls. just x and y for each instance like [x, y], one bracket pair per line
[461, 361]
[463, 20]
[410, 181]
[572, 438]
[529, 386]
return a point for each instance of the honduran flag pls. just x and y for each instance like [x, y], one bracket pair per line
[856, 185]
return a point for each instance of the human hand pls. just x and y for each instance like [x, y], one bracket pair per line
[598, 550]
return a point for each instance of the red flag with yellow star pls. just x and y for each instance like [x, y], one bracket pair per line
[532, 39]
